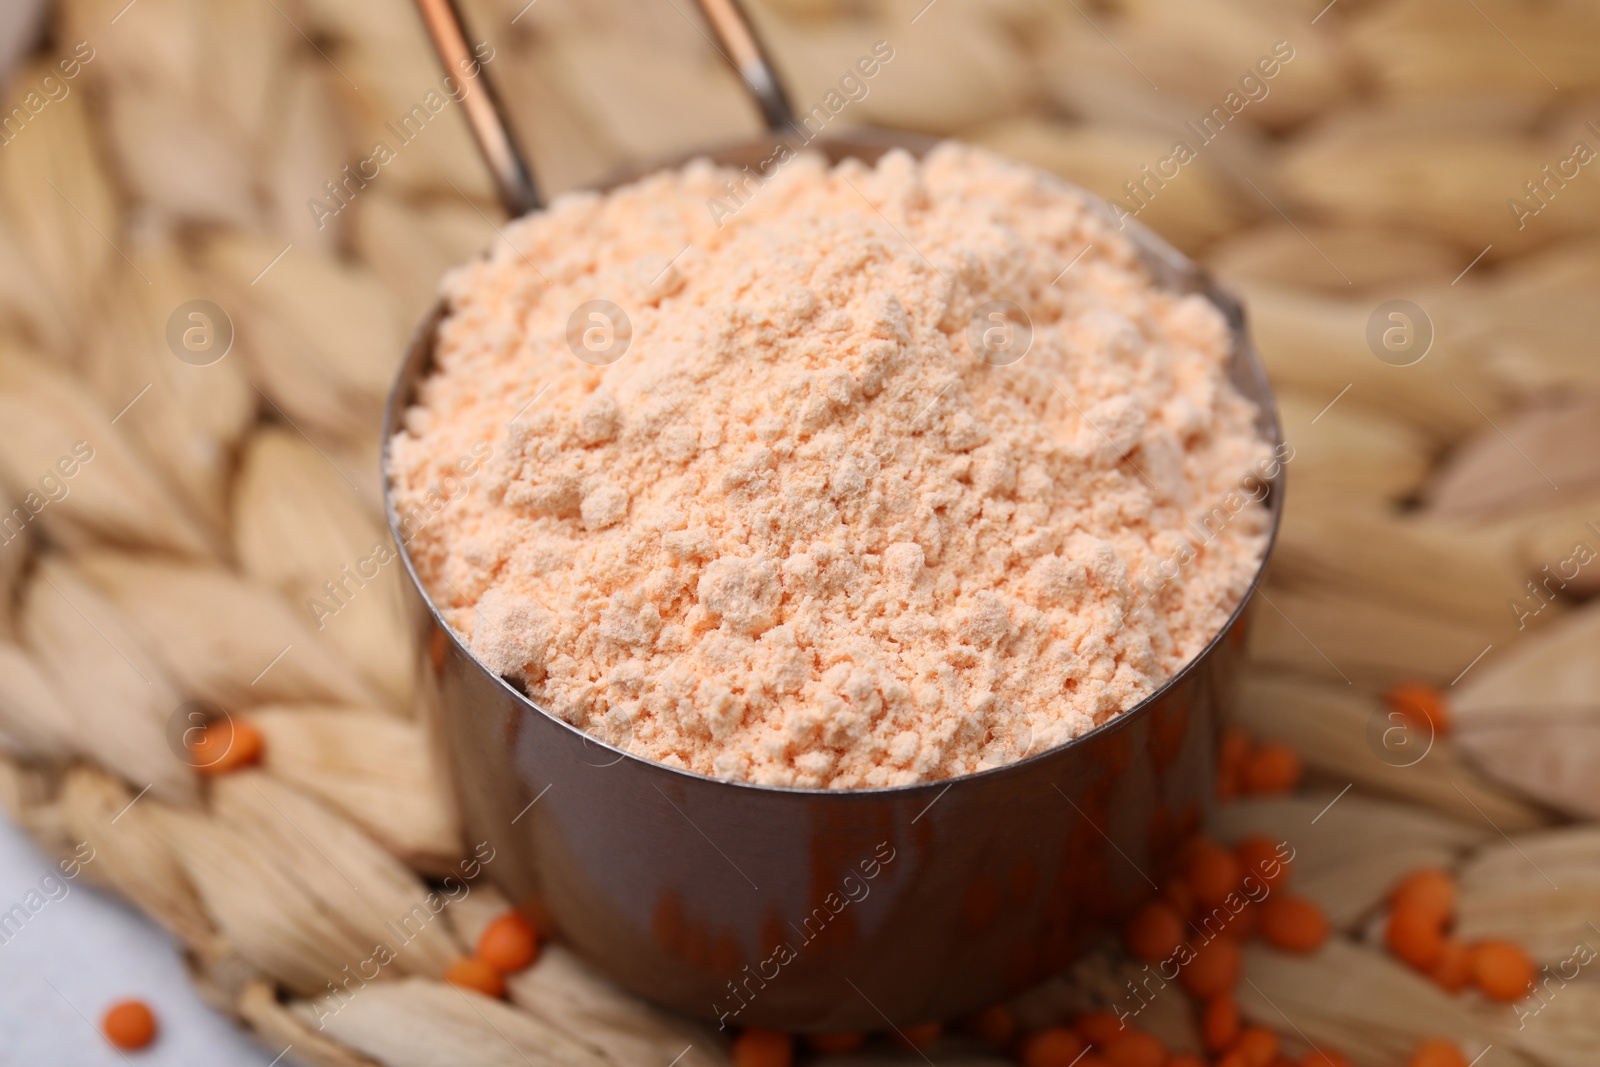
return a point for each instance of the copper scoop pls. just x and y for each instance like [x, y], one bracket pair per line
[814, 909]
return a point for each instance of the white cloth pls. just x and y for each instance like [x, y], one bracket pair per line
[62, 967]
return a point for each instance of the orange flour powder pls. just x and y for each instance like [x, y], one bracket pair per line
[801, 533]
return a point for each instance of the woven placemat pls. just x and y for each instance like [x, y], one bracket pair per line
[210, 271]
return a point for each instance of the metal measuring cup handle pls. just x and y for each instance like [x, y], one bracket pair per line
[513, 176]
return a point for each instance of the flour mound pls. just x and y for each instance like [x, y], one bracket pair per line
[801, 533]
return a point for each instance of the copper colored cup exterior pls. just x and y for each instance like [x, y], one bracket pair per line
[833, 910]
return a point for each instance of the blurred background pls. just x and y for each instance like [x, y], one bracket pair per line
[219, 223]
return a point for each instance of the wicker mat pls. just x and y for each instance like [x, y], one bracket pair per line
[210, 275]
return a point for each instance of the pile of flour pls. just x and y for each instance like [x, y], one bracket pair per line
[803, 532]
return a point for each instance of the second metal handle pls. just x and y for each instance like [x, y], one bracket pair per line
[485, 115]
